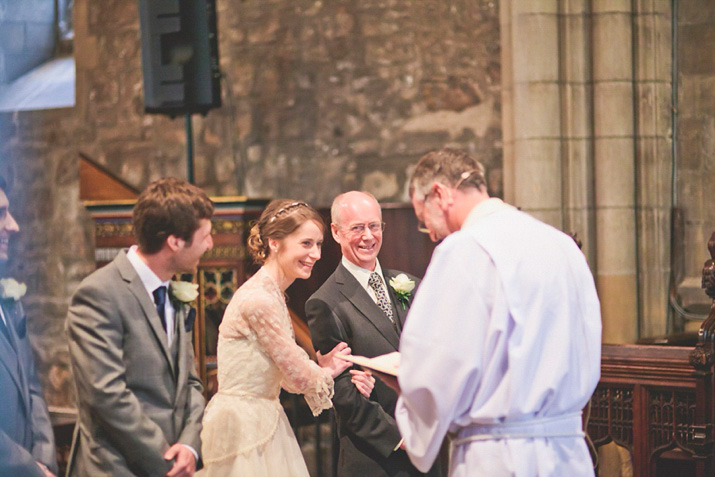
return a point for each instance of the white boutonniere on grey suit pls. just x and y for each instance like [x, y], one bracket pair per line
[183, 293]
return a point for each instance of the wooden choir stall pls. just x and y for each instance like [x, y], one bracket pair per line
[653, 410]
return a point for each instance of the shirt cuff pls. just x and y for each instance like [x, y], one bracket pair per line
[193, 451]
[398, 445]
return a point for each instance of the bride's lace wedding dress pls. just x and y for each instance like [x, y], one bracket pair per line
[246, 431]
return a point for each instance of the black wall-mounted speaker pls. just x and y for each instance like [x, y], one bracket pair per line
[180, 59]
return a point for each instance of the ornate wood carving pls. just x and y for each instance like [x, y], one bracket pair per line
[659, 401]
[703, 356]
[612, 416]
[651, 401]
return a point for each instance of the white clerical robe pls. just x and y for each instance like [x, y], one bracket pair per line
[502, 346]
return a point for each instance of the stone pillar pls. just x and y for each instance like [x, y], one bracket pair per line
[577, 125]
[614, 159]
[696, 130]
[532, 110]
[586, 96]
[654, 165]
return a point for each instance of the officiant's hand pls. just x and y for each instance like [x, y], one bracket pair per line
[334, 365]
[184, 461]
[363, 381]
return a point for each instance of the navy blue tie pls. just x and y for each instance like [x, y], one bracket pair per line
[160, 300]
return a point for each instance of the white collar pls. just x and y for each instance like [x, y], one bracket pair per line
[362, 275]
[484, 208]
[149, 279]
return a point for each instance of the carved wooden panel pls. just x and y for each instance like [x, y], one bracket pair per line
[671, 417]
[653, 402]
[612, 416]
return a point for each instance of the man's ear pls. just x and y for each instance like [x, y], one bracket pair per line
[442, 195]
[334, 231]
[175, 243]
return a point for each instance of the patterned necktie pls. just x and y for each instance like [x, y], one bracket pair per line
[160, 300]
[382, 301]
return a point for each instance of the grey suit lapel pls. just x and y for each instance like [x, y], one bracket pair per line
[10, 353]
[180, 335]
[129, 275]
[8, 336]
[10, 360]
[356, 294]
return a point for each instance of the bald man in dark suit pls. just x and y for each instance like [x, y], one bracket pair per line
[364, 305]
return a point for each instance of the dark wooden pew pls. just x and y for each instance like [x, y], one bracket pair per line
[658, 402]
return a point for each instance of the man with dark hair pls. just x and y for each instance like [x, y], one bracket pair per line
[502, 345]
[129, 327]
[365, 306]
[27, 445]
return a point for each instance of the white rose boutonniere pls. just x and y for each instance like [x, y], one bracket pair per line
[403, 287]
[12, 289]
[185, 292]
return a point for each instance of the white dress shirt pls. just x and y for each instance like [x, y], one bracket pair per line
[151, 282]
[362, 275]
[2, 316]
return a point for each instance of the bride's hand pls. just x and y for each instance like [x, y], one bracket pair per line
[334, 365]
[363, 381]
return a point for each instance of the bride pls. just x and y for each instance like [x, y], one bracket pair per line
[245, 430]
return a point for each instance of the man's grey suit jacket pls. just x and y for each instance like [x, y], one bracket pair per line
[341, 310]
[25, 430]
[134, 400]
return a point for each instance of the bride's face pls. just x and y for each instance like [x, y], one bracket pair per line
[298, 252]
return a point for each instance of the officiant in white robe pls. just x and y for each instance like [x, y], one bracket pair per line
[501, 347]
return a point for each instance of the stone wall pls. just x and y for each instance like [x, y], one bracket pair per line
[341, 94]
[354, 92]
[319, 97]
[695, 156]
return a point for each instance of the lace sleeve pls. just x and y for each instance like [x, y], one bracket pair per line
[269, 320]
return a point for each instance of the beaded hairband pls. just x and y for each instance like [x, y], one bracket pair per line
[285, 209]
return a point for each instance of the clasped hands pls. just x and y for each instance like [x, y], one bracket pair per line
[363, 380]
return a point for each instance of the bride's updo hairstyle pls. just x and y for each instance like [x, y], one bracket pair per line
[280, 218]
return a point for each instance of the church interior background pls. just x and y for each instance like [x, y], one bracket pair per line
[596, 116]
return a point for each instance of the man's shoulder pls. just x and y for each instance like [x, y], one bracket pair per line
[329, 286]
[508, 226]
[108, 273]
